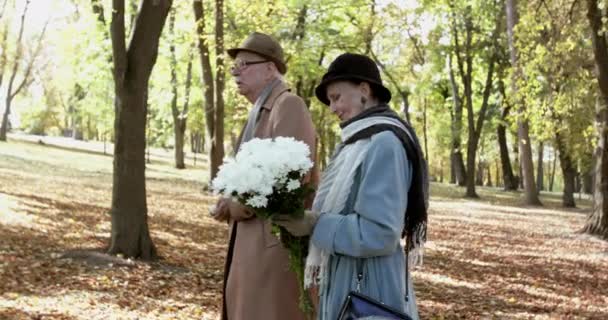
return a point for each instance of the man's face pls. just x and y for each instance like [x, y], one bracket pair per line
[250, 72]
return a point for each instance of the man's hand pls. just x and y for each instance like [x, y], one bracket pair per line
[227, 209]
[221, 211]
[298, 227]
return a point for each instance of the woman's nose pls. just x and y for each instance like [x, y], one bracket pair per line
[332, 107]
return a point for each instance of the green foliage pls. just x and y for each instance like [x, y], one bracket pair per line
[411, 41]
[558, 68]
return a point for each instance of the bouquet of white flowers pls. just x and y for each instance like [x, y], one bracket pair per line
[266, 176]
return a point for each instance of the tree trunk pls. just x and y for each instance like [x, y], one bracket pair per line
[132, 69]
[517, 162]
[179, 130]
[203, 137]
[569, 172]
[208, 84]
[3, 61]
[4, 127]
[509, 181]
[458, 170]
[479, 173]
[452, 169]
[597, 222]
[424, 131]
[298, 36]
[179, 117]
[587, 172]
[476, 129]
[489, 182]
[497, 166]
[148, 146]
[130, 234]
[9, 92]
[540, 175]
[217, 147]
[588, 182]
[196, 142]
[552, 178]
[527, 165]
[177, 123]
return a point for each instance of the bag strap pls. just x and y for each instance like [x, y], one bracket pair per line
[407, 287]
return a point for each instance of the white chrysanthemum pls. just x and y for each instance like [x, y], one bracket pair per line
[259, 166]
[257, 201]
[292, 185]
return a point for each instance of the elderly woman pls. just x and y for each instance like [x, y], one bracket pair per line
[373, 192]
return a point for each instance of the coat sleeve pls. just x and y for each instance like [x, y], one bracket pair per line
[374, 227]
[291, 118]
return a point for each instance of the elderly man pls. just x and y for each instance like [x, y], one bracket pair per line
[257, 282]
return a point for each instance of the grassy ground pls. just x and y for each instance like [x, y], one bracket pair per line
[488, 258]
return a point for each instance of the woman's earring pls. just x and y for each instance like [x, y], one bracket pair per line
[363, 101]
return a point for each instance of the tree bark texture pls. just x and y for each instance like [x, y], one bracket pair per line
[568, 171]
[456, 159]
[208, 83]
[132, 69]
[510, 182]
[180, 118]
[552, 177]
[217, 146]
[540, 172]
[598, 220]
[527, 165]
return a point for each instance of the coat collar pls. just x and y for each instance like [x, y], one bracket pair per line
[276, 92]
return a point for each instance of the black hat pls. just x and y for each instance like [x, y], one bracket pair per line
[357, 67]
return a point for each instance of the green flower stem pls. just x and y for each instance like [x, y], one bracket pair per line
[297, 247]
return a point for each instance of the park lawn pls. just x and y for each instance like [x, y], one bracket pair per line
[488, 258]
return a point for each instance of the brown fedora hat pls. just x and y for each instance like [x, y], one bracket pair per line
[264, 45]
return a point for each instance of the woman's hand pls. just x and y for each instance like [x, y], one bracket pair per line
[298, 227]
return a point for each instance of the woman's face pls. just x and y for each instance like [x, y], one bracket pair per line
[347, 99]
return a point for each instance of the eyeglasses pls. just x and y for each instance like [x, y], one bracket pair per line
[239, 65]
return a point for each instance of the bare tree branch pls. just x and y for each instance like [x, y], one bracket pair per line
[3, 7]
[26, 81]
[18, 52]
[98, 10]
[571, 13]
[3, 57]
[203, 48]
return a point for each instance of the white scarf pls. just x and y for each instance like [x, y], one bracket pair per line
[335, 187]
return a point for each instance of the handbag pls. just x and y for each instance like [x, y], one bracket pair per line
[359, 306]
